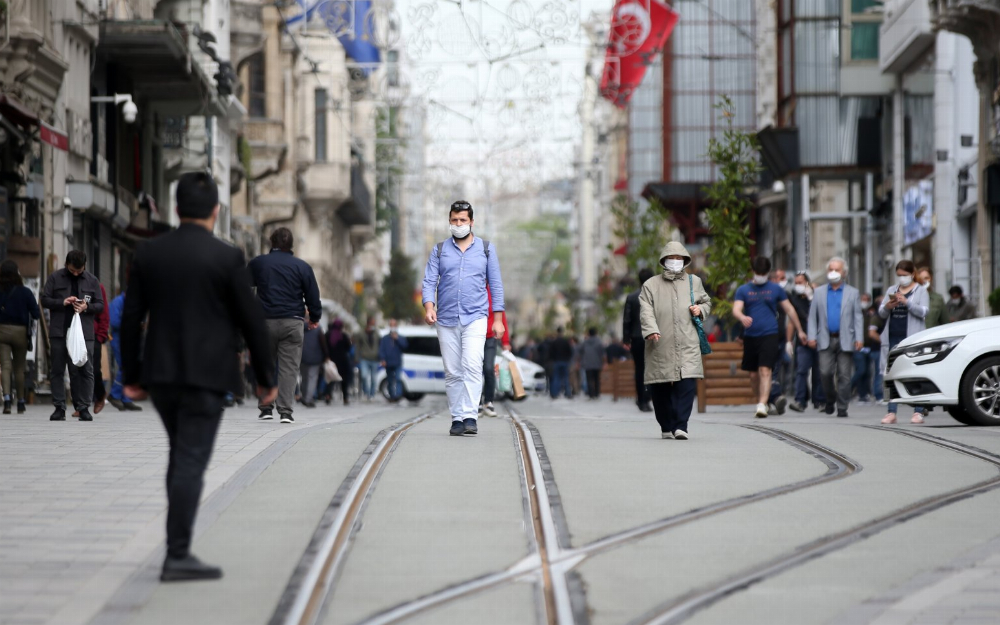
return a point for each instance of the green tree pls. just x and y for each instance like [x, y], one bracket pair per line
[388, 162]
[736, 156]
[397, 300]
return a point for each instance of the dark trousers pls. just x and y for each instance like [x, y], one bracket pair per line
[638, 349]
[672, 402]
[594, 383]
[191, 417]
[392, 382]
[489, 371]
[806, 360]
[81, 379]
[99, 391]
[560, 379]
[836, 366]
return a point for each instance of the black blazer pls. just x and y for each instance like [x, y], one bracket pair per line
[196, 290]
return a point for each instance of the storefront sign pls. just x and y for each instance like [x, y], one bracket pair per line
[53, 137]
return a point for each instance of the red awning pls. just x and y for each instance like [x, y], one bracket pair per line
[14, 110]
[622, 251]
[621, 184]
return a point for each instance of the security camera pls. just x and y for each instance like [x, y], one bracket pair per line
[129, 111]
[67, 203]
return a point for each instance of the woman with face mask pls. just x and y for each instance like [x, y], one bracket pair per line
[667, 308]
[904, 308]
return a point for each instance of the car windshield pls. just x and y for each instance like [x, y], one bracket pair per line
[423, 346]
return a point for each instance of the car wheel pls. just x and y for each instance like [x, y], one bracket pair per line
[980, 392]
[959, 414]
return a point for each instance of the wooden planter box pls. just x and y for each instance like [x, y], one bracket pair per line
[725, 384]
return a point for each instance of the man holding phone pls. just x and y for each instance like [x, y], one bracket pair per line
[68, 291]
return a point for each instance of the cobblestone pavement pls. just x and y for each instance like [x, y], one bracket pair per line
[82, 511]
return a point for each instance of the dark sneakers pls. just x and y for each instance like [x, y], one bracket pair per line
[780, 404]
[265, 414]
[471, 427]
[85, 415]
[188, 568]
[21, 409]
[796, 406]
[842, 413]
[829, 409]
[132, 407]
[286, 418]
[58, 415]
[457, 428]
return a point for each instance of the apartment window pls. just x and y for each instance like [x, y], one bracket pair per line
[320, 140]
[862, 21]
[258, 95]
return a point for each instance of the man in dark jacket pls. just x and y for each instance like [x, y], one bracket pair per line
[560, 353]
[197, 294]
[390, 355]
[632, 336]
[286, 286]
[71, 290]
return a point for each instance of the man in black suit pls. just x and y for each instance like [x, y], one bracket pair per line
[196, 290]
[632, 336]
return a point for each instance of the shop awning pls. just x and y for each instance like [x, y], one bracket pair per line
[154, 56]
[14, 110]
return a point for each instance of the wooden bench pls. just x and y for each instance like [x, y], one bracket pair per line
[725, 384]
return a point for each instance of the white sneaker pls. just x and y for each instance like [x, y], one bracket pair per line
[489, 411]
[680, 435]
[667, 435]
[761, 411]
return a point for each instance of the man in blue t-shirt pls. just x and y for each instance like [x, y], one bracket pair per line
[756, 307]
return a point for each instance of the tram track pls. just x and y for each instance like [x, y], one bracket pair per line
[680, 610]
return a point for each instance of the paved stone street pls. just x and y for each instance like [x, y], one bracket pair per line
[571, 511]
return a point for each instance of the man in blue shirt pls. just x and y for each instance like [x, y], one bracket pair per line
[756, 307]
[454, 296]
[117, 397]
[390, 355]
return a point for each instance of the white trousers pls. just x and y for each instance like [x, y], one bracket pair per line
[462, 350]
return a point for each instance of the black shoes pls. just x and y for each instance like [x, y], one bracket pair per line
[85, 415]
[117, 403]
[21, 409]
[829, 409]
[796, 406]
[286, 418]
[645, 407]
[780, 404]
[457, 428]
[265, 414]
[842, 413]
[189, 568]
[471, 427]
[58, 415]
[132, 407]
[6, 406]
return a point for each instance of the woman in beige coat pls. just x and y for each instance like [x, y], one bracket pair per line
[673, 351]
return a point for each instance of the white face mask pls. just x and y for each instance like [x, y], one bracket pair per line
[783, 283]
[926, 283]
[800, 289]
[673, 265]
[460, 232]
[904, 281]
[759, 279]
[834, 276]
[865, 303]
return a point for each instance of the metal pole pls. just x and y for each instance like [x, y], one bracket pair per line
[805, 253]
[898, 167]
[869, 232]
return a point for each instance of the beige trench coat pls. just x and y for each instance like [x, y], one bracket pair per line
[663, 310]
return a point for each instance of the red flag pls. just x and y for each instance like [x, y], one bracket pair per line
[639, 28]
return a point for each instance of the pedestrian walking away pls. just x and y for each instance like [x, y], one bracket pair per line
[366, 344]
[455, 300]
[561, 355]
[286, 287]
[592, 361]
[117, 397]
[936, 312]
[632, 336]
[339, 345]
[314, 353]
[836, 330]
[756, 307]
[904, 308]
[18, 310]
[668, 305]
[390, 355]
[490, 358]
[186, 362]
[69, 291]
[958, 307]
[808, 385]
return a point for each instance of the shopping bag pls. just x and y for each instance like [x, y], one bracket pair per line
[330, 372]
[515, 378]
[76, 344]
[505, 384]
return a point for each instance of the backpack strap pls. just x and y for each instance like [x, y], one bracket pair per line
[440, 249]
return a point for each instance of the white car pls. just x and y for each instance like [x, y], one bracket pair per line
[956, 365]
[423, 368]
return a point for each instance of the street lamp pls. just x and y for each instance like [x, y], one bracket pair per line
[129, 112]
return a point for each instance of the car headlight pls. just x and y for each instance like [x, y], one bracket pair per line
[938, 349]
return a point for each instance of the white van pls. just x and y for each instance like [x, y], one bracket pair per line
[423, 369]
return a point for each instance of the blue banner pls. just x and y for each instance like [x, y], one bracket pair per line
[351, 21]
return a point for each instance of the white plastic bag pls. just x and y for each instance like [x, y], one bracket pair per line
[331, 373]
[76, 345]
